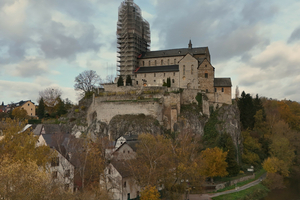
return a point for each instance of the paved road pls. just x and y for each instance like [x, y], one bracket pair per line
[209, 196]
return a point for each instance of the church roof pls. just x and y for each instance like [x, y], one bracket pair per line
[222, 82]
[165, 68]
[174, 52]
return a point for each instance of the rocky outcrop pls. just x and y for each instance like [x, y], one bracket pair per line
[229, 115]
[190, 119]
[133, 125]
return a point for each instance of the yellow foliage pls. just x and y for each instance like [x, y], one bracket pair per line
[19, 113]
[20, 145]
[213, 162]
[274, 165]
[150, 193]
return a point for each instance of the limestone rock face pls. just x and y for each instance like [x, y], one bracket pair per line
[124, 125]
[191, 120]
[133, 125]
[229, 115]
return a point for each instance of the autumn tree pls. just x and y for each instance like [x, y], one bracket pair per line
[86, 82]
[167, 161]
[252, 152]
[23, 145]
[152, 162]
[213, 163]
[274, 165]
[19, 113]
[150, 193]
[26, 180]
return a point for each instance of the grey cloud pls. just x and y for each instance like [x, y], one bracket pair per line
[216, 24]
[295, 36]
[56, 43]
[30, 68]
[50, 38]
[256, 11]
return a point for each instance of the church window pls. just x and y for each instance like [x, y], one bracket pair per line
[192, 69]
[124, 184]
[173, 81]
[222, 89]
[137, 82]
[206, 75]
[183, 69]
[161, 62]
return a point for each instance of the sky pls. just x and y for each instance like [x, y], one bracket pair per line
[48, 43]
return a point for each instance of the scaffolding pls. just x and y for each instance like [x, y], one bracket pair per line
[133, 37]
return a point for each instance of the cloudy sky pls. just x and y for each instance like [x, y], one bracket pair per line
[47, 43]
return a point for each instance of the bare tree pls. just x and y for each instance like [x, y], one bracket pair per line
[51, 96]
[87, 81]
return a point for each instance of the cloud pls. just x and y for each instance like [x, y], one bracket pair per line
[295, 36]
[30, 68]
[273, 72]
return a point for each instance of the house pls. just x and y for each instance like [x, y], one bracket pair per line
[61, 169]
[27, 105]
[117, 175]
[120, 181]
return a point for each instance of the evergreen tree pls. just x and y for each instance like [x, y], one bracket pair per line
[169, 82]
[226, 144]
[61, 109]
[247, 111]
[128, 80]
[120, 81]
[258, 106]
[41, 109]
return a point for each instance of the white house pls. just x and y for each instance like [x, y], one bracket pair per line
[120, 181]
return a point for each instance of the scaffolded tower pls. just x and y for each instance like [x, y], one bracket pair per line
[133, 33]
